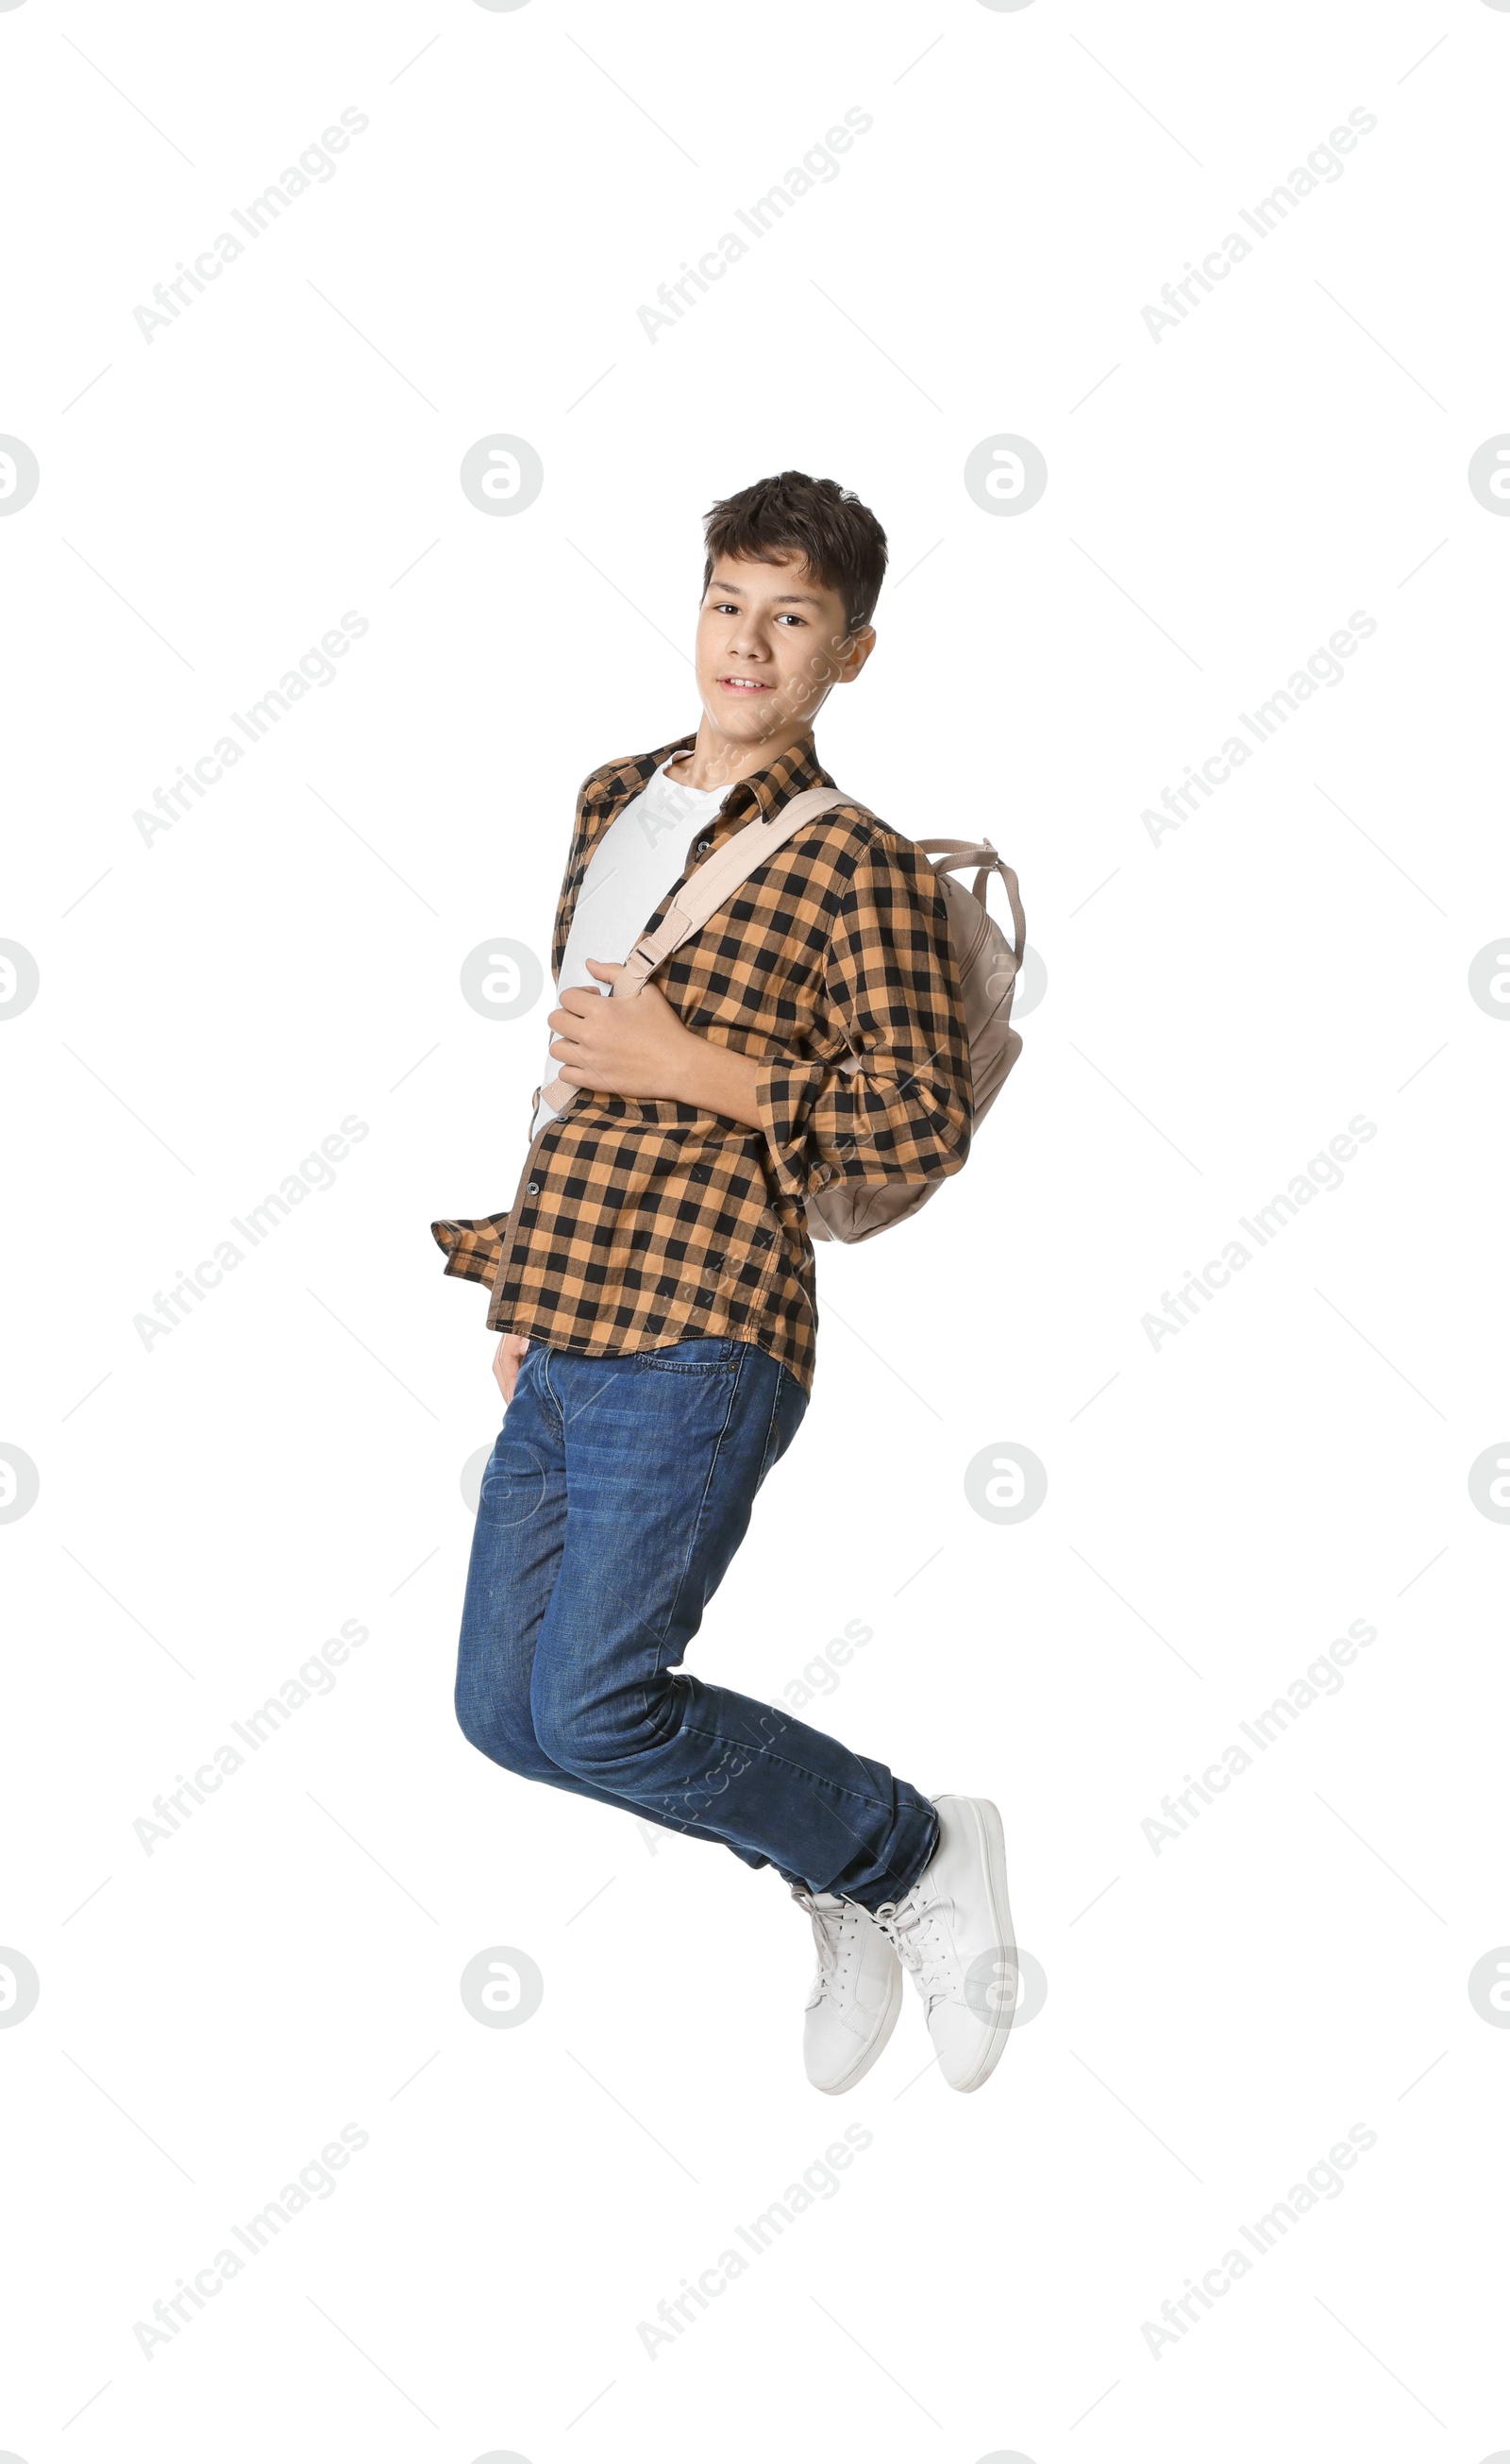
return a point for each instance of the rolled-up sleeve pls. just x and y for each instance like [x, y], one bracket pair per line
[473, 1247]
[892, 996]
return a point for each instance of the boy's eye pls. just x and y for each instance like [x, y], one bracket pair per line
[726, 607]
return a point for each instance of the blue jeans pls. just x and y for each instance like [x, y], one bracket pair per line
[612, 1504]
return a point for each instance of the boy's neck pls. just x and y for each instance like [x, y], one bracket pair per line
[718, 760]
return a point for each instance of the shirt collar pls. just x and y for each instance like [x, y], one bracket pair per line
[767, 790]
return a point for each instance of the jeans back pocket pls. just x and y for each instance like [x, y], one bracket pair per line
[698, 1351]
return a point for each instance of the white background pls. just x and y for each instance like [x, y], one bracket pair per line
[1219, 1005]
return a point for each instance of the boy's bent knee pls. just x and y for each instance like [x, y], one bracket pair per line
[601, 1741]
[500, 1734]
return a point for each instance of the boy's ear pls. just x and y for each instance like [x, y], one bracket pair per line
[857, 649]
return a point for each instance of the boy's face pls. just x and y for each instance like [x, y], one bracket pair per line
[771, 642]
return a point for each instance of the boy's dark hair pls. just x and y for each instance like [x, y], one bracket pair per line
[841, 540]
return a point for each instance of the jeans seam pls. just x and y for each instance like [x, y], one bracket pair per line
[769, 1452]
[660, 1635]
[551, 1397]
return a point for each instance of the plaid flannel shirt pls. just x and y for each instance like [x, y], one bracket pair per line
[639, 1223]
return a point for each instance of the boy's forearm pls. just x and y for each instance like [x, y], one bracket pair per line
[718, 1079]
[639, 1047]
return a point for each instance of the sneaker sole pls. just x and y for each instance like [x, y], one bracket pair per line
[871, 2054]
[994, 1856]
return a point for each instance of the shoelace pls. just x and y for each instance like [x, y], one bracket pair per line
[930, 1960]
[826, 1925]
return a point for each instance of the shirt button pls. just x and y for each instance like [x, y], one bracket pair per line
[532, 1189]
[703, 845]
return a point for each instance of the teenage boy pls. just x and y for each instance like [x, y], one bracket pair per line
[653, 1288]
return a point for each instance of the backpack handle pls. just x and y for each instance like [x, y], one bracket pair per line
[954, 854]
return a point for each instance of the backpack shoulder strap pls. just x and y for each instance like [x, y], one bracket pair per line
[707, 890]
[703, 894]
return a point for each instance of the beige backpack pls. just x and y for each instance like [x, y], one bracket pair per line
[989, 965]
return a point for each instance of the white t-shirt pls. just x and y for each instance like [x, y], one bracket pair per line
[640, 854]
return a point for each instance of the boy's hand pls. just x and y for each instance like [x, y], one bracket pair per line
[637, 1047]
[512, 1349]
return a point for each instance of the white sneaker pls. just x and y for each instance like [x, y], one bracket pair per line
[856, 1995]
[953, 1935]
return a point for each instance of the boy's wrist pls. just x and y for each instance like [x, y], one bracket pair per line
[683, 1069]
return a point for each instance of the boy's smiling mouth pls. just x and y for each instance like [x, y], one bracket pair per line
[744, 684]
